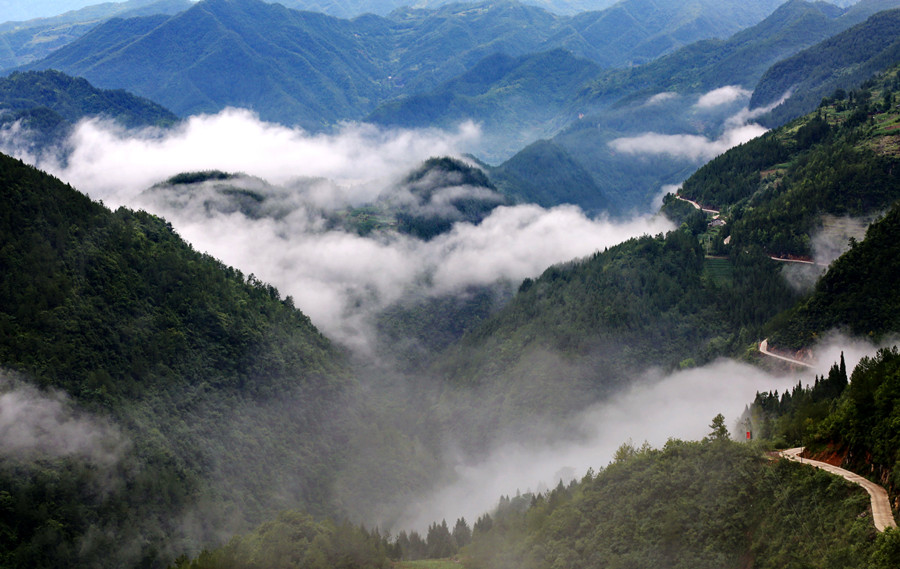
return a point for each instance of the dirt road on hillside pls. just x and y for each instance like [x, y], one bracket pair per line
[764, 349]
[881, 506]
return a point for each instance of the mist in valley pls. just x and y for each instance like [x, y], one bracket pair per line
[654, 407]
[279, 212]
[337, 277]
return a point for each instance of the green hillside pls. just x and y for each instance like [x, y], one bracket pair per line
[583, 330]
[841, 62]
[852, 424]
[848, 421]
[72, 99]
[841, 160]
[711, 504]
[190, 360]
[857, 295]
[48, 104]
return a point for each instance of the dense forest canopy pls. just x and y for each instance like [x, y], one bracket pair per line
[114, 309]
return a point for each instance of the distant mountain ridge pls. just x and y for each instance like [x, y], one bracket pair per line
[353, 8]
[615, 103]
[26, 41]
[312, 69]
[48, 104]
[741, 59]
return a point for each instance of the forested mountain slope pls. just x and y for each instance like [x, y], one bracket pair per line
[847, 423]
[858, 294]
[841, 62]
[840, 160]
[38, 110]
[710, 504]
[72, 99]
[545, 174]
[217, 393]
[581, 331]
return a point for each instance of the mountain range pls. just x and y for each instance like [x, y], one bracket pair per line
[159, 408]
[313, 70]
[581, 109]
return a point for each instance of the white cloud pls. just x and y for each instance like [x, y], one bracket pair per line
[661, 98]
[687, 146]
[112, 164]
[37, 425]
[722, 96]
[337, 277]
[517, 242]
[736, 129]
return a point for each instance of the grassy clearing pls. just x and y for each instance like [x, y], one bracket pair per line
[719, 271]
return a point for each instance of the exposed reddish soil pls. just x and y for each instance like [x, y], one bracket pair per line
[832, 455]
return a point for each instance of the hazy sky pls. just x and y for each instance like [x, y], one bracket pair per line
[28, 9]
[18, 10]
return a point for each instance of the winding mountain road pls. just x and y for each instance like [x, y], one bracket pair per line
[881, 506]
[696, 205]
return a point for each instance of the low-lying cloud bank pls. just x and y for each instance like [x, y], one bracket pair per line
[336, 276]
[653, 409]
